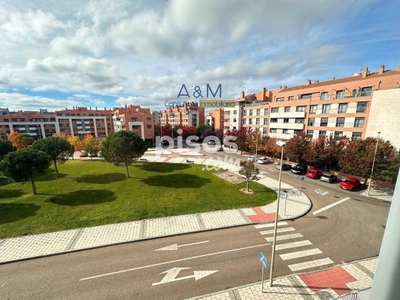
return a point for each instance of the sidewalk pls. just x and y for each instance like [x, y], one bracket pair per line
[39, 245]
[319, 285]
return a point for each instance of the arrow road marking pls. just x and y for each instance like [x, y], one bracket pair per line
[170, 275]
[174, 261]
[321, 192]
[176, 246]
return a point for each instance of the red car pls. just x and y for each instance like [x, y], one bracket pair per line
[313, 173]
[350, 184]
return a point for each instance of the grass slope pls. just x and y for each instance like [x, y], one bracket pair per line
[90, 193]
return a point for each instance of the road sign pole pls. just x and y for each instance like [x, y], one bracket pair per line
[301, 185]
[262, 279]
[286, 197]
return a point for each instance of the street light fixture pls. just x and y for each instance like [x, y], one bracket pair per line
[280, 144]
[373, 164]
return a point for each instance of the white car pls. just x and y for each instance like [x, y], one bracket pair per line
[252, 158]
[262, 160]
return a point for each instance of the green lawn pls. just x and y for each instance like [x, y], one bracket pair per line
[90, 193]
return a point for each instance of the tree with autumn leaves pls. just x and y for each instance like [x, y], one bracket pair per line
[18, 140]
[242, 140]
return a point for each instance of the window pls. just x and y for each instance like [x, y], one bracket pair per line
[324, 96]
[310, 133]
[290, 98]
[300, 108]
[299, 120]
[234, 119]
[322, 133]
[280, 99]
[285, 131]
[338, 135]
[340, 122]
[313, 109]
[326, 108]
[265, 111]
[274, 109]
[148, 118]
[356, 136]
[258, 112]
[286, 120]
[257, 121]
[274, 120]
[148, 126]
[359, 122]
[265, 121]
[311, 121]
[340, 94]
[306, 96]
[324, 122]
[250, 112]
[227, 112]
[342, 108]
[273, 130]
[362, 106]
[250, 121]
[366, 91]
[287, 109]
[235, 112]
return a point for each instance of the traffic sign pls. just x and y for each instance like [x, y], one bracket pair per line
[263, 260]
[302, 178]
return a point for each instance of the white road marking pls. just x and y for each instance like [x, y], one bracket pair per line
[176, 246]
[326, 193]
[278, 230]
[330, 206]
[284, 237]
[170, 275]
[4, 284]
[292, 245]
[310, 264]
[269, 225]
[298, 254]
[173, 261]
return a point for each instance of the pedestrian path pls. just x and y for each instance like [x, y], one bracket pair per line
[325, 284]
[292, 246]
[39, 245]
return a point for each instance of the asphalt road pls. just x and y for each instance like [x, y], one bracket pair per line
[203, 262]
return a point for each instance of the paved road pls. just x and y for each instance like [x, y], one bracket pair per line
[226, 258]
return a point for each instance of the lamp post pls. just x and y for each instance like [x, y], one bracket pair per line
[373, 164]
[280, 144]
[256, 140]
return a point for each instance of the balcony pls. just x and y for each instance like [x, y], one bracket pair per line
[294, 126]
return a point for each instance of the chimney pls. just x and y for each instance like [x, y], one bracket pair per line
[364, 73]
[381, 69]
[308, 82]
[242, 94]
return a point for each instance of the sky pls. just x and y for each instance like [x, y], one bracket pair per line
[110, 53]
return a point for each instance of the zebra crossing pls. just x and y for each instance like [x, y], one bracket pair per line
[293, 250]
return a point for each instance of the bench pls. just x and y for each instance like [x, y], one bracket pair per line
[190, 161]
[143, 159]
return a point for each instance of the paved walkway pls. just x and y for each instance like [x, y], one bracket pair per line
[319, 285]
[31, 246]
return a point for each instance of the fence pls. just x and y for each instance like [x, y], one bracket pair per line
[359, 295]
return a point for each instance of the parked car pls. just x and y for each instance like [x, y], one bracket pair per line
[83, 154]
[350, 184]
[328, 177]
[285, 167]
[211, 143]
[313, 173]
[252, 158]
[262, 160]
[299, 169]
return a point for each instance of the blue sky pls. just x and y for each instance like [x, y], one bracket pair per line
[109, 53]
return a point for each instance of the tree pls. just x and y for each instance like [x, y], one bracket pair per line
[123, 147]
[248, 170]
[18, 140]
[270, 147]
[241, 137]
[24, 165]
[90, 145]
[297, 146]
[60, 135]
[5, 147]
[75, 142]
[201, 128]
[57, 148]
[255, 140]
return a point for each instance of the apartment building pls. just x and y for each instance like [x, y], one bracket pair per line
[188, 114]
[215, 118]
[341, 107]
[136, 119]
[77, 121]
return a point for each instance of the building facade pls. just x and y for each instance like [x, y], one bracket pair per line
[216, 119]
[338, 107]
[189, 114]
[136, 119]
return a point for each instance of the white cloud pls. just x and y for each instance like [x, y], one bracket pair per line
[17, 101]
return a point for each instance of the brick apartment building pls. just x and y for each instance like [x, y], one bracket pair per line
[77, 121]
[135, 118]
[189, 114]
[216, 119]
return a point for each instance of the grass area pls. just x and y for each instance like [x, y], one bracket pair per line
[90, 193]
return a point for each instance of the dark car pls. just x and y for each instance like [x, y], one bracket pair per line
[285, 167]
[350, 184]
[299, 169]
[313, 173]
[328, 177]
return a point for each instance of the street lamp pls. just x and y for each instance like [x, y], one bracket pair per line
[280, 144]
[256, 140]
[373, 164]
